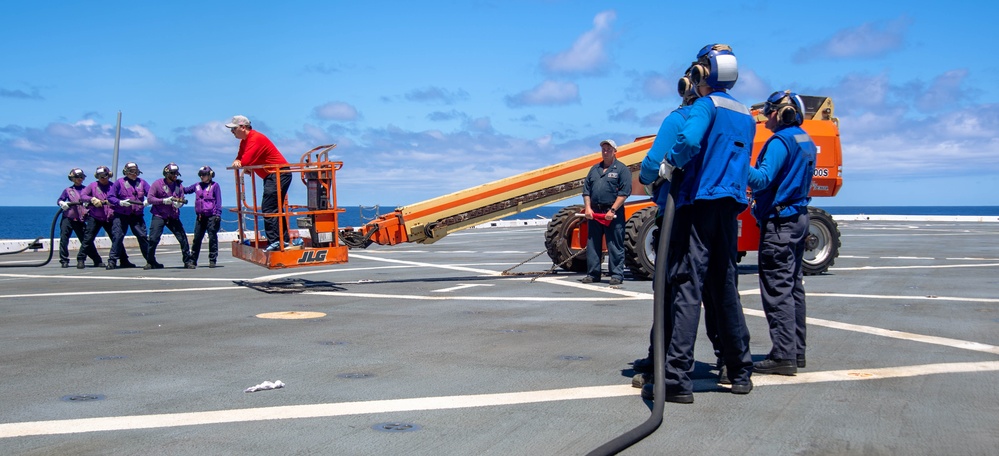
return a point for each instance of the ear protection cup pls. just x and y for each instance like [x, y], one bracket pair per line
[698, 73]
[787, 115]
[683, 85]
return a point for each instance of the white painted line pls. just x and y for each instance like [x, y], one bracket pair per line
[89, 278]
[121, 423]
[461, 287]
[487, 272]
[906, 258]
[876, 374]
[473, 298]
[940, 266]
[916, 298]
[955, 343]
[117, 292]
[268, 278]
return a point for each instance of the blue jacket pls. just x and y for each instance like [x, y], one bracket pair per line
[665, 139]
[783, 173]
[713, 148]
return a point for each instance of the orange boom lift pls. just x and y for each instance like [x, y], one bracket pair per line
[428, 221]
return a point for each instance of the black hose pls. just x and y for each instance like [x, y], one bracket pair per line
[623, 441]
[51, 247]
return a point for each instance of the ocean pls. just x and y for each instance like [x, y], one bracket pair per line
[29, 222]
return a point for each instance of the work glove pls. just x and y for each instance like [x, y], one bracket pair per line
[64, 205]
[665, 170]
[96, 202]
[124, 203]
[177, 204]
[168, 200]
[145, 202]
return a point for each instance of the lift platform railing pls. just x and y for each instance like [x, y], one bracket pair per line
[319, 216]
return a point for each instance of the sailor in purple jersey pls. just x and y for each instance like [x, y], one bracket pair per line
[74, 212]
[208, 209]
[166, 196]
[127, 197]
[100, 215]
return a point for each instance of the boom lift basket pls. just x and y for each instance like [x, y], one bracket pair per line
[317, 219]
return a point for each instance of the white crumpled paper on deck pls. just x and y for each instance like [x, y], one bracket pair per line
[265, 386]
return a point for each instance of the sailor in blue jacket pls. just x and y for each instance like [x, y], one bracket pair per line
[713, 149]
[780, 182]
[658, 188]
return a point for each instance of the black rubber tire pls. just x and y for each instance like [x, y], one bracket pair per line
[639, 250]
[822, 242]
[557, 236]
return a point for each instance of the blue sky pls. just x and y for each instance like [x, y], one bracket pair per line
[427, 98]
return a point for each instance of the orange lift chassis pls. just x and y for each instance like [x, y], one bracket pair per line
[319, 216]
[428, 221]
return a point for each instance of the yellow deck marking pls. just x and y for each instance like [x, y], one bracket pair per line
[291, 315]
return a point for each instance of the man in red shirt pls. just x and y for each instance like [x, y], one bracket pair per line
[256, 149]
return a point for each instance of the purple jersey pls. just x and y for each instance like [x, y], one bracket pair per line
[96, 190]
[160, 190]
[132, 190]
[208, 199]
[72, 194]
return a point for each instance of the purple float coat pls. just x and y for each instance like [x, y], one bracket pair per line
[160, 190]
[72, 194]
[96, 190]
[132, 190]
[208, 198]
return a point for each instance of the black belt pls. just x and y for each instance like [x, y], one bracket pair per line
[601, 207]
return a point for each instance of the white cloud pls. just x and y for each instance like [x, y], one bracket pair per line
[868, 40]
[336, 110]
[437, 95]
[943, 92]
[588, 54]
[548, 93]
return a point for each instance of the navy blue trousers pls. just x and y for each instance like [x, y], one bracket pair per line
[614, 234]
[269, 205]
[206, 224]
[67, 226]
[782, 245]
[93, 227]
[703, 267]
[156, 231]
[119, 226]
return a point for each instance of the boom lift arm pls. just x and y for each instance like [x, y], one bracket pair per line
[428, 221]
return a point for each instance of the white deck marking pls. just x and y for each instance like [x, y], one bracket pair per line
[129, 278]
[921, 298]
[114, 292]
[120, 423]
[955, 343]
[473, 298]
[461, 286]
[939, 266]
[487, 272]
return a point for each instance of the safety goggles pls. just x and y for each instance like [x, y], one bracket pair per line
[773, 101]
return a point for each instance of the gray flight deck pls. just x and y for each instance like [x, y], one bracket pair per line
[427, 349]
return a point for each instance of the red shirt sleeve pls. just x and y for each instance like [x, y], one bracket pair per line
[256, 149]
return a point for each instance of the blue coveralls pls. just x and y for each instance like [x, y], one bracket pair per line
[648, 174]
[603, 186]
[714, 149]
[780, 182]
